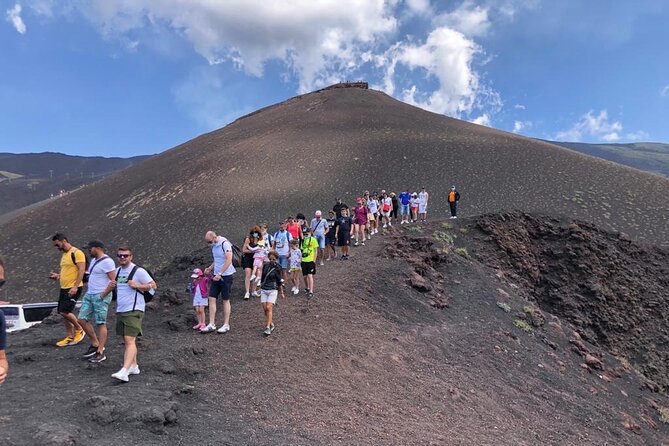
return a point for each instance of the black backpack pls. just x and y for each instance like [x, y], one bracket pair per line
[237, 254]
[87, 260]
[148, 296]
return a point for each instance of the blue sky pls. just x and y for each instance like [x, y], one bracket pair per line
[128, 77]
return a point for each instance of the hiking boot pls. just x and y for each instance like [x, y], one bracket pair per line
[208, 329]
[121, 375]
[246, 296]
[90, 352]
[65, 341]
[79, 335]
[97, 357]
[224, 329]
[134, 370]
[267, 332]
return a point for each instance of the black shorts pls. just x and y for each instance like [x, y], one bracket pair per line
[221, 288]
[308, 268]
[66, 303]
[344, 238]
[330, 241]
[247, 261]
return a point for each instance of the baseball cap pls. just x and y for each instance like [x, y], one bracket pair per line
[318, 213]
[197, 272]
[95, 244]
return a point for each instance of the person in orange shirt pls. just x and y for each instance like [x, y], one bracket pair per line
[71, 275]
[453, 198]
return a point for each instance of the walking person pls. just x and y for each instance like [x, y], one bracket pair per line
[413, 206]
[199, 291]
[95, 303]
[271, 285]
[343, 233]
[247, 260]
[131, 282]
[319, 227]
[423, 198]
[71, 275]
[309, 248]
[373, 216]
[220, 285]
[295, 265]
[330, 239]
[453, 198]
[359, 222]
[386, 209]
[281, 245]
[405, 199]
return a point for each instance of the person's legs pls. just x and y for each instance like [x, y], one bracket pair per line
[86, 313]
[71, 323]
[269, 307]
[310, 282]
[90, 332]
[227, 309]
[212, 310]
[247, 279]
[362, 233]
[102, 337]
[130, 353]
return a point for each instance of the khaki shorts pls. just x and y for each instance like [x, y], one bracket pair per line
[129, 323]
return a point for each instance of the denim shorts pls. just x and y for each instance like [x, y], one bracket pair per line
[404, 209]
[321, 240]
[283, 262]
[93, 305]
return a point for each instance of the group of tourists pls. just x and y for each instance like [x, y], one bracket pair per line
[271, 262]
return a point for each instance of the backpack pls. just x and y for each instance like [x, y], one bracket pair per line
[148, 296]
[237, 254]
[87, 261]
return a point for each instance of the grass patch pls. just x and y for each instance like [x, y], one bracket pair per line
[464, 230]
[504, 306]
[462, 252]
[664, 414]
[446, 225]
[443, 236]
[523, 325]
[529, 310]
[415, 229]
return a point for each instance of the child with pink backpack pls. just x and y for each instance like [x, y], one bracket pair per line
[199, 291]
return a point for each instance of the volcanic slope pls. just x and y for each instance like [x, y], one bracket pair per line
[297, 156]
[423, 337]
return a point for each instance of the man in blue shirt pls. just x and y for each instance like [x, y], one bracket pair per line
[405, 198]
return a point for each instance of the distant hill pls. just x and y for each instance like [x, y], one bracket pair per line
[28, 178]
[648, 156]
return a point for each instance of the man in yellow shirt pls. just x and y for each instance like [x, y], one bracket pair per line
[71, 275]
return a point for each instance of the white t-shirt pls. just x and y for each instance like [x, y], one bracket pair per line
[218, 250]
[422, 198]
[373, 206]
[129, 299]
[282, 240]
[98, 278]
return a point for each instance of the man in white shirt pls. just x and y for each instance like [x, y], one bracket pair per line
[281, 244]
[319, 227]
[95, 303]
[423, 198]
[131, 282]
[221, 283]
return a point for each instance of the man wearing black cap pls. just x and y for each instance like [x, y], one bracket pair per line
[95, 304]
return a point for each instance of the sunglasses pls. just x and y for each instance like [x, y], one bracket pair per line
[123, 256]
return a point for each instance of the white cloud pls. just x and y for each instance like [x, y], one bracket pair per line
[484, 119]
[638, 136]
[418, 6]
[519, 126]
[14, 17]
[664, 91]
[598, 127]
[470, 19]
[519, 107]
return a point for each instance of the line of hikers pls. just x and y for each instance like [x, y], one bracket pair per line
[270, 262]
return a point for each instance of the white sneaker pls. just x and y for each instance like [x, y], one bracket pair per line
[390, 223]
[121, 375]
[253, 277]
[133, 370]
[296, 291]
[246, 296]
[385, 225]
[323, 264]
[256, 294]
[208, 329]
[224, 329]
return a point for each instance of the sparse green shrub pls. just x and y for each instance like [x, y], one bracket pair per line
[443, 236]
[522, 325]
[415, 229]
[446, 225]
[462, 252]
[464, 230]
[504, 306]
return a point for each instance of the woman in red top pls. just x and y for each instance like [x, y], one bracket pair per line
[359, 222]
[293, 228]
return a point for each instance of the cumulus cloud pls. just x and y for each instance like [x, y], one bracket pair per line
[469, 19]
[14, 17]
[595, 126]
[484, 119]
[638, 136]
[519, 126]
[418, 6]
[664, 91]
